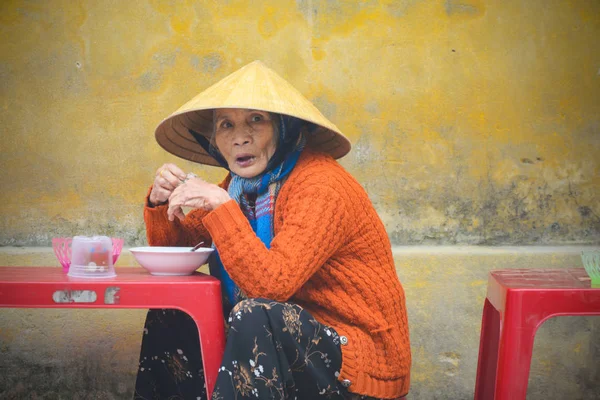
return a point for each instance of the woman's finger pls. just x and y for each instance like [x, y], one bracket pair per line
[174, 203]
[181, 197]
[161, 190]
[175, 210]
[171, 170]
[168, 179]
[166, 184]
[176, 171]
[179, 213]
[159, 194]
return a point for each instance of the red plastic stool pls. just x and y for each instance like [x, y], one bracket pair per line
[518, 302]
[198, 295]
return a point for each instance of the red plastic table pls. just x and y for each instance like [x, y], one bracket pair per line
[198, 295]
[518, 302]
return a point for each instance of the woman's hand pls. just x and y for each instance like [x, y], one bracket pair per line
[195, 193]
[168, 178]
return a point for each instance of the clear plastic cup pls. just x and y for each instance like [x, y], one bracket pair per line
[92, 257]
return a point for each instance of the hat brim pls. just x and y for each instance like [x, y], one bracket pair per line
[173, 135]
[253, 87]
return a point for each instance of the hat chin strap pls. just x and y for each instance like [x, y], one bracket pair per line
[209, 148]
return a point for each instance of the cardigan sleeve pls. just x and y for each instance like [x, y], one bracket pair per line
[314, 228]
[162, 232]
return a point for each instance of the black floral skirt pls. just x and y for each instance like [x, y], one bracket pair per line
[170, 362]
[273, 351]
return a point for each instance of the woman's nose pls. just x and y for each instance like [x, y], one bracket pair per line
[243, 135]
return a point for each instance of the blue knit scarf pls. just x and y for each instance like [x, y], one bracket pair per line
[265, 188]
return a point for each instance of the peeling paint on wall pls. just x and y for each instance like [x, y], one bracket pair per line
[74, 296]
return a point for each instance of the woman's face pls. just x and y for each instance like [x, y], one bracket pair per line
[246, 139]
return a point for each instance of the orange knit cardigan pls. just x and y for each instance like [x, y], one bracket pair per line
[330, 254]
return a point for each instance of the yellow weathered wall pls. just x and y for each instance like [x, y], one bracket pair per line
[472, 121]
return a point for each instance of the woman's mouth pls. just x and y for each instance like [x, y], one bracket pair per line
[245, 160]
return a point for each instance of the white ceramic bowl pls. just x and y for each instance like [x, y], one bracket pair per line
[171, 260]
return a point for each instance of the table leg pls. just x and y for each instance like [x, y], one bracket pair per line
[514, 361]
[208, 315]
[485, 383]
[514, 357]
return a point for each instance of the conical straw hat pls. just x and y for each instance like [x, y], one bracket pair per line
[254, 87]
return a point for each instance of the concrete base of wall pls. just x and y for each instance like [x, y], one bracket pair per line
[93, 353]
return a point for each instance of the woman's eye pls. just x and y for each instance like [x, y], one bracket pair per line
[257, 118]
[226, 124]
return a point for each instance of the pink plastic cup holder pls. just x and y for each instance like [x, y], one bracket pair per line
[62, 250]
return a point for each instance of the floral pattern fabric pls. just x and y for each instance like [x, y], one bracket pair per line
[278, 351]
[170, 364]
[274, 350]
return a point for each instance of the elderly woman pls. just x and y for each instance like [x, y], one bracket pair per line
[315, 307]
